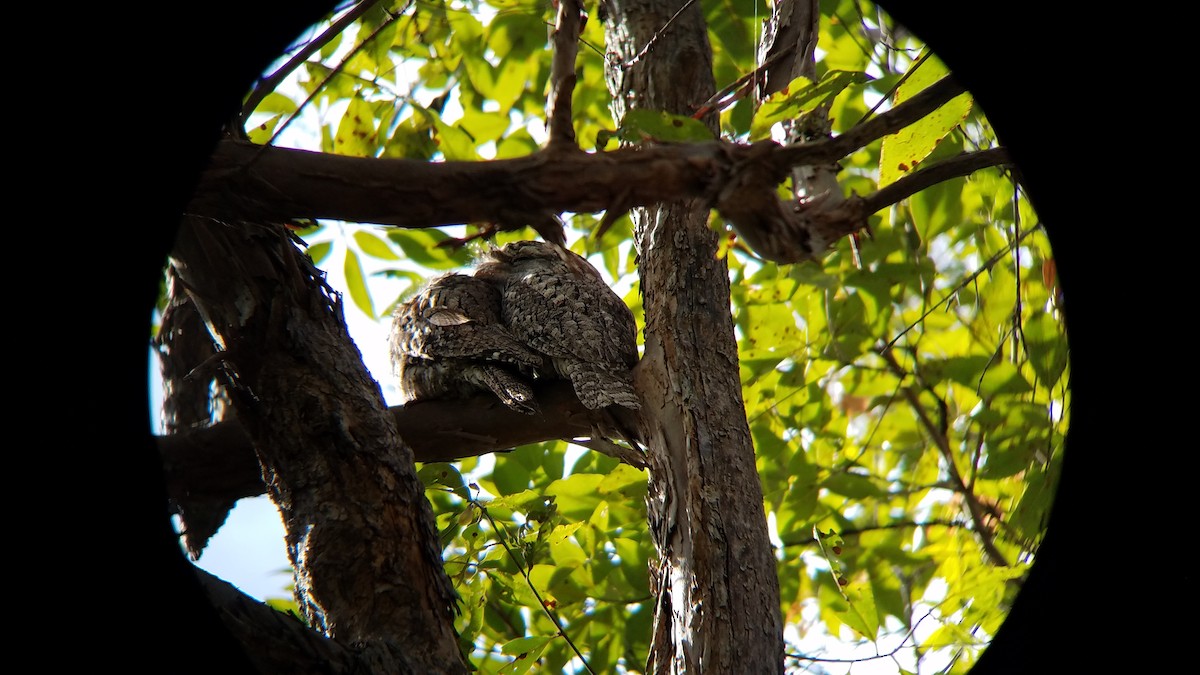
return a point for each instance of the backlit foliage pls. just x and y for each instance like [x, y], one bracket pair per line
[908, 400]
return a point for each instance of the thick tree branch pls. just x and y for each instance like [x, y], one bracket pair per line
[715, 581]
[279, 643]
[246, 181]
[220, 461]
[356, 518]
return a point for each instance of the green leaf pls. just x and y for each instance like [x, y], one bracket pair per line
[641, 125]
[936, 209]
[623, 480]
[801, 95]
[356, 133]
[564, 550]
[262, 133]
[516, 35]
[577, 494]
[527, 651]
[509, 477]
[422, 247]
[966, 370]
[442, 473]
[516, 144]
[374, 246]
[512, 81]
[904, 150]
[484, 126]
[285, 605]
[999, 296]
[795, 513]
[1047, 344]
[852, 485]
[516, 501]
[861, 615]
[1003, 378]
[454, 143]
[526, 644]
[412, 139]
[319, 251]
[276, 103]
[356, 284]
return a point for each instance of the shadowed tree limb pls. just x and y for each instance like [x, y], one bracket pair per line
[273, 184]
[954, 167]
[220, 462]
[324, 437]
[280, 643]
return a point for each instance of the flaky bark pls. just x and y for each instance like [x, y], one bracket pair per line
[717, 608]
[360, 533]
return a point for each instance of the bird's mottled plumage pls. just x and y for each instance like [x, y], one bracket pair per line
[558, 305]
[448, 341]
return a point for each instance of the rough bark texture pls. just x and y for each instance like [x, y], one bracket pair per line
[717, 606]
[184, 347]
[280, 643]
[268, 184]
[219, 463]
[360, 534]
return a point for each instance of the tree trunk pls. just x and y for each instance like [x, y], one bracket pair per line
[717, 606]
[360, 534]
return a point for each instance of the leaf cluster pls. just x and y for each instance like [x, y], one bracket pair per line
[908, 397]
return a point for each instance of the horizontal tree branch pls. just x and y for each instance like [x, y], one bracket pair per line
[220, 461]
[953, 167]
[905, 113]
[264, 183]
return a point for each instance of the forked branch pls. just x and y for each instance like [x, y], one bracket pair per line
[268, 184]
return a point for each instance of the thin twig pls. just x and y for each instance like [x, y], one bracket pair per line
[650, 44]
[963, 164]
[907, 636]
[900, 524]
[342, 64]
[271, 82]
[942, 443]
[502, 534]
[741, 86]
[963, 284]
[919, 105]
[912, 69]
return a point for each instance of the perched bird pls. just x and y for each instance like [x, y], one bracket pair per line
[558, 305]
[447, 341]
